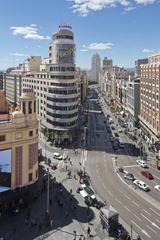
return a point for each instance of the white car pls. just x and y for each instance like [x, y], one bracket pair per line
[142, 185]
[142, 163]
[157, 187]
[120, 130]
[57, 156]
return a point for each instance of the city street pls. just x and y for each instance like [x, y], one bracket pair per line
[139, 209]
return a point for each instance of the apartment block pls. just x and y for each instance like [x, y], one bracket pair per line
[150, 99]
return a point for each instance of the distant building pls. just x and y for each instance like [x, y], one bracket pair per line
[12, 85]
[133, 103]
[83, 84]
[18, 149]
[95, 67]
[107, 64]
[138, 64]
[1, 80]
[149, 99]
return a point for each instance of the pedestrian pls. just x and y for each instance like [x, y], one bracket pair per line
[89, 231]
[66, 213]
[71, 191]
[39, 227]
[26, 221]
[51, 222]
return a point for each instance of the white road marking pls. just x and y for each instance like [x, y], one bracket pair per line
[154, 211]
[146, 212]
[110, 193]
[135, 203]
[151, 229]
[142, 230]
[118, 200]
[127, 197]
[127, 209]
[103, 185]
[157, 220]
[128, 166]
[146, 218]
[153, 224]
[137, 217]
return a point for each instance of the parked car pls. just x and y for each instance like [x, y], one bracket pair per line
[129, 176]
[157, 187]
[147, 174]
[142, 185]
[113, 127]
[120, 130]
[112, 139]
[142, 163]
[57, 156]
[111, 121]
[116, 134]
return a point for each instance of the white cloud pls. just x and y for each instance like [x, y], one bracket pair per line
[28, 32]
[83, 7]
[129, 9]
[19, 54]
[145, 2]
[146, 50]
[98, 46]
[84, 50]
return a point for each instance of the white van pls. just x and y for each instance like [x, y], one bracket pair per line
[121, 143]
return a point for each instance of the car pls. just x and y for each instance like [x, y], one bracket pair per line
[129, 176]
[111, 121]
[112, 139]
[57, 156]
[147, 174]
[142, 185]
[120, 130]
[113, 127]
[157, 187]
[142, 163]
[116, 134]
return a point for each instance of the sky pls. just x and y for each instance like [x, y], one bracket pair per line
[124, 30]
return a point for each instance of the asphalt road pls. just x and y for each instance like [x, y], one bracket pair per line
[137, 208]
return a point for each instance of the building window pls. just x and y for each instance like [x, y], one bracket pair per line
[34, 106]
[37, 131]
[24, 108]
[30, 177]
[31, 133]
[30, 107]
[2, 138]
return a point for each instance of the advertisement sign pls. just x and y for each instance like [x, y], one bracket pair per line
[5, 170]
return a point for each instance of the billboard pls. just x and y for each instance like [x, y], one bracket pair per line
[5, 170]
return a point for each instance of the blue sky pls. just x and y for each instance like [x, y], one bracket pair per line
[123, 30]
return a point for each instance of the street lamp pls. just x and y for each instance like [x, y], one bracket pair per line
[47, 212]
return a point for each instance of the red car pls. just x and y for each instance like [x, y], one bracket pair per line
[147, 174]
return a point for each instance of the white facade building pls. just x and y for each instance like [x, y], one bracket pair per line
[56, 88]
[96, 67]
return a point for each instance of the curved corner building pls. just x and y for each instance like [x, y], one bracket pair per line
[62, 96]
